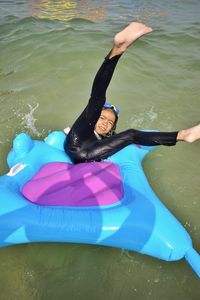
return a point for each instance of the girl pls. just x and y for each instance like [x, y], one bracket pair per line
[92, 136]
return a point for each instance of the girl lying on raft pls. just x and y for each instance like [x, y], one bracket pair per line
[92, 136]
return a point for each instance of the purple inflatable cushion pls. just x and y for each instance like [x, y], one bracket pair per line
[85, 184]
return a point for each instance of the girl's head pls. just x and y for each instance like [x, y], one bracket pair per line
[107, 121]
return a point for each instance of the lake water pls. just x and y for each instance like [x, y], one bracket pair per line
[49, 54]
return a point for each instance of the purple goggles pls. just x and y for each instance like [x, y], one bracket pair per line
[114, 108]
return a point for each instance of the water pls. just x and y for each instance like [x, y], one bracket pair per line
[50, 51]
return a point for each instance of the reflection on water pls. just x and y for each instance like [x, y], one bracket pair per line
[67, 10]
[46, 70]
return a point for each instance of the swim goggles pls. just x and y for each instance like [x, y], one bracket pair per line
[113, 107]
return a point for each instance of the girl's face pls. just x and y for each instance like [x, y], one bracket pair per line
[105, 122]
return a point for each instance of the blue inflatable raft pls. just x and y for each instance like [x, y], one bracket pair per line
[40, 204]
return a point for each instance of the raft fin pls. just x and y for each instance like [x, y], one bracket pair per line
[193, 258]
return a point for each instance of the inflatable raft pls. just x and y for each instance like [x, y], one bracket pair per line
[44, 197]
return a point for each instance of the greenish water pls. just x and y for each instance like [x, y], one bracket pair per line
[50, 51]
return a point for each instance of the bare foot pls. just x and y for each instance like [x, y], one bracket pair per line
[126, 37]
[189, 135]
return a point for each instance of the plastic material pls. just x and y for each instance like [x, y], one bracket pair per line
[137, 221]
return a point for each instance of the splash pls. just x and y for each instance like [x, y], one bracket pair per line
[143, 119]
[28, 120]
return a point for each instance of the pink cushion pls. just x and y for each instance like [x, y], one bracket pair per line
[86, 184]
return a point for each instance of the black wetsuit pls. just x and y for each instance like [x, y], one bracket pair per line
[82, 144]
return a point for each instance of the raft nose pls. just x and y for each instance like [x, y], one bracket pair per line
[193, 258]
